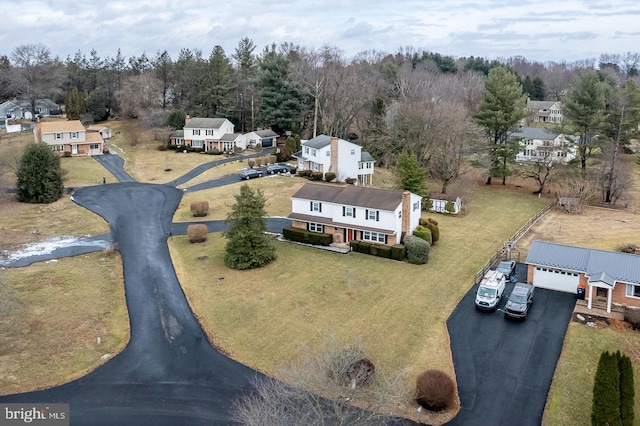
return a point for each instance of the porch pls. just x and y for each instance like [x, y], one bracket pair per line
[599, 308]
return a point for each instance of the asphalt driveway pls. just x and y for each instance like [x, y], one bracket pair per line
[503, 367]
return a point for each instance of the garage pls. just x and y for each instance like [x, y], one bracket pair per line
[556, 279]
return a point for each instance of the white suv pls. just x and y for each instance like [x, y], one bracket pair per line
[490, 290]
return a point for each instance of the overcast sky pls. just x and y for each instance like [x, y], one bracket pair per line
[544, 30]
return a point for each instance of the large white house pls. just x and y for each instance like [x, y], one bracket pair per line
[544, 111]
[331, 154]
[538, 144]
[356, 213]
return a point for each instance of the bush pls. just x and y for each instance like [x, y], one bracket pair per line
[354, 245]
[258, 162]
[435, 390]
[423, 232]
[627, 391]
[307, 237]
[172, 147]
[251, 163]
[329, 176]
[272, 159]
[199, 208]
[432, 224]
[258, 147]
[383, 251]
[398, 252]
[197, 149]
[632, 316]
[197, 233]
[450, 207]
[304, 173]
[162, 147]
[606, 392]
[214, 151]
[293, 170]
[361, 371]
[427, 203]
[351, 181]
[417, 250]
[67, 154]
[284, 154]
[364, 247]
[316, 175]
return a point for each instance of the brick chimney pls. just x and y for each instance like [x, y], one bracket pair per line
[38, 131]
[187, 119]
[406, 212]
[334, 155]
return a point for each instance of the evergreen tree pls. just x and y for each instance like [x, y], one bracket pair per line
[39, 175]
[247, 245]
[176, 119]
[606, 392]
[98, 105]
[538, 91]
[246, 68]
[501, 109]
[627, 391]
[410, 173]
[219, 85]
[75, 104]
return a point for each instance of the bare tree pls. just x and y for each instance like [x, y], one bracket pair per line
[138, 93]
[576, 191]
[320, 389]
[539, 170]
[35, 73]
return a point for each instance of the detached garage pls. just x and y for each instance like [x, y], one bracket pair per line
[610, 276]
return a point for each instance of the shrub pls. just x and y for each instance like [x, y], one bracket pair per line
[351, 181]
[398, 252]
[284, 154]
[316, 175]
[627, 392]
[214, 151]
[354, 245]
[199, 208]
[251, 163]
[172, 147]
[197, 149]
[435, 231]
[427, 203]
[364, 247]
[329, 176]
[450, 207]
[307, 237]
[162, 147]
[39, 175]
[423, 232]
[272, 159]
[361, 371]
[304, 173]
[293, 170]
[632, 316]
[606, 392]
[197, 233]
[258, 147]
[258, 162]
[67, 154]
[383, 251]
[417, 250]
[435, 390]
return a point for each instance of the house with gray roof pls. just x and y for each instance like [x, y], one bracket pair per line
[541, 145]
[331, 154]
[608, 276]
[266, 138]
[355, 212]
[544, 111]
[203, 134]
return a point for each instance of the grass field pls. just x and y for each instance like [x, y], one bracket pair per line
[51, 314]
[397, 310]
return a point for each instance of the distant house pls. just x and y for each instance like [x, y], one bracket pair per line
[544, 111]
[68, 136]
[612, 277]
[104, 131]
[355, 212]
[266, 138]
[438, 203]
[540, 144]
[206, 134]
[331, 154]
[21, 109]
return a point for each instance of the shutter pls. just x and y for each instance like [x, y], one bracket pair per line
[366, 214]
[344, 211]
[385, 239]
[320, 207]
[354, 212]
[310, 206]
[378, 217]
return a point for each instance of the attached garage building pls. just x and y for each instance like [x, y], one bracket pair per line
[605, 274]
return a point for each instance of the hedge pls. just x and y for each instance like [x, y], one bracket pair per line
[329, 176]
[307, 237]
[380, 250]
[304, 173]
[316, 175]
[424, 233]
[398, 252]
[417, 250]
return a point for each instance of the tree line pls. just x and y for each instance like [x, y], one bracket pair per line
[433, 106]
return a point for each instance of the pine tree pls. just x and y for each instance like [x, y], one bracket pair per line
[606, 392]
[75, 104]
[627, 392]
[39, 175]
[247, 245]
[410, 173]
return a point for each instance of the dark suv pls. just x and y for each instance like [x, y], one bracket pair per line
[519, 301]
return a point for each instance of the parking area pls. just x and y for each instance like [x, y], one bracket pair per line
[504, 368]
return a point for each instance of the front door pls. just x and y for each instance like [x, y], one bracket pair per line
[349, 236]
[74, 149]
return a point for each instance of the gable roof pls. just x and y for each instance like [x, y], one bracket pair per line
[229, 137]
[534, 133]
[204, 123]
[622, 267]
[266, 133]
[61, 126]
[383, 199]
[539, 104]
[318, 142]
[365, 156]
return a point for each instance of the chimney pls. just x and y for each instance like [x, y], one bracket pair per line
[406, 212]
[334, 156]
[38, 131]
[636, 250]
[187, 119]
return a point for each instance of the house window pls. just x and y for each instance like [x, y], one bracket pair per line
[316, 206]
[372, 215]
[328, 153]
[633, 290]
[374, 236]
[74, 135]
[196, 132]
[58, 136]
[179, 142]
[313, 152]
[348, 211]
[316, 227]
[94, 146]
[416, 206]
[400, 214]
[306, 150]
[57, 148]
[197, 144]
[316, 167]
[208, 132]
[360, 166]
[369, 165]
[353, 152]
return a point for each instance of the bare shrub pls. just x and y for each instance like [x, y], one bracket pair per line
[197, 233]
[436, 391]
[576, 192]
[199, 208]
[111, 249]
[251, 163]
[632, 316]
[258, 162]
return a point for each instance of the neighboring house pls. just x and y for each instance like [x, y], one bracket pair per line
[21, 109]
[439, 203]
[610, 276]
[68, 136]
[355, 212]
[266, 138]
[233, 140]
[538, 144]
[330, 154]
[206, 134]
[544, 111]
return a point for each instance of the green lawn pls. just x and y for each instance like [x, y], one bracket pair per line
[263, 317]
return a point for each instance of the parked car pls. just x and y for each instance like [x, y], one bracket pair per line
[490, 290]
[278, 168]
[519, 301]
[508, 268]
[250, 174]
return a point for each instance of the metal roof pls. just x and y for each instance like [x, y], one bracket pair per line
[622, 267]
[365, 156]
[383, 199]
[318, 142]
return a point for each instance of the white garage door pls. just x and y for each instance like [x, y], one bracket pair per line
[554, 279]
